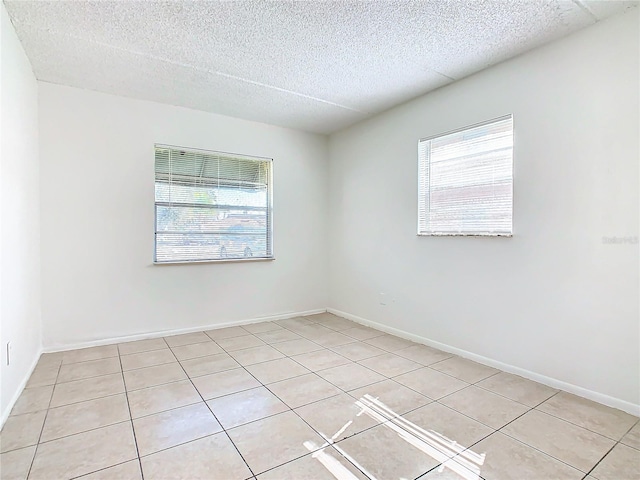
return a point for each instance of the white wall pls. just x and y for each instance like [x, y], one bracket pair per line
[553, 300]
[19, 218]
[97, 188]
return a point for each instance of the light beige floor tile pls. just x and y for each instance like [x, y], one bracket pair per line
[273, 441]
[508, 459]
[195, 350]
[338, 324]
[321, 317]
[124, 471]
[484, 406]
[423, 354]
[453, 470]
[390, 343]
[187, 339]
[431, 383]
[92, 368]
[362, 333]
[147, 359]
[337, 417]
[211, 364]
[350, 376]
[33, 400]
[152, 376]
[244, 407]
[311, 332]
[440, 421]
[325, 464]
[333, 339]
[464, 369]
[518, 388]
[299, 391]
[249, 356]
[397, 397]
[358, 351]
[21, 431]
[239, 343]
[83, 416]
[227, 332]
[87, 389]
[297, 347]
[53, 359]
[140, 346]
[86, 452]
[261, 327]
[593, 416]
[224, 383]
[390, 365]
[278, 336]
[320, 360]
[42, 376]
[293, 322]
[386, 451]
[87, 354]
[632, 439]
[565, 441]
[174, 427]
[16, 463]
[209, 458]
[163, 397]
[277, 370]
[622, 463]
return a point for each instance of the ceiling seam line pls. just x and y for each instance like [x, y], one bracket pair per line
[214, 72]
[584, 7]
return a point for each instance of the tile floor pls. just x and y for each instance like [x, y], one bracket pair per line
[314, 397]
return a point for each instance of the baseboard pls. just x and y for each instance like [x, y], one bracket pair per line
[166, 333]
[18, 392]
[623, 405]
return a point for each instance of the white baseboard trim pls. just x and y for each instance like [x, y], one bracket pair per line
[18, 392]
[620, 404]
[166, 333]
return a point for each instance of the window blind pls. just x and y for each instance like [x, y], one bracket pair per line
[465, 182]
[211, 206]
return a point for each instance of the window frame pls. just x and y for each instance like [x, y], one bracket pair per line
[216, 260]
[421, 199]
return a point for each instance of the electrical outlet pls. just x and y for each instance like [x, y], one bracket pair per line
[8, 353]
[383, 298]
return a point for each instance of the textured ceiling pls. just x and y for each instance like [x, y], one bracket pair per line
[315, 66]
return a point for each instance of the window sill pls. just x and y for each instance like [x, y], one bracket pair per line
[229, 260]
[432, 234]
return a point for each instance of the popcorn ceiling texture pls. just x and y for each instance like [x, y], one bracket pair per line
[315, 66]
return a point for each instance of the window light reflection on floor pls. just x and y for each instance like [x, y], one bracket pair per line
[449, 453]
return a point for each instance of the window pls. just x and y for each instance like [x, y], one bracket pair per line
[465, 182]
[211, 206]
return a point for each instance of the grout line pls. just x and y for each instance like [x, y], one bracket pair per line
[83, 431]
[315, 372]
[572, 423]
[53, 390]
[133, 430]
[106, 468]
[609, 451]
[293, 410]
[214, 416]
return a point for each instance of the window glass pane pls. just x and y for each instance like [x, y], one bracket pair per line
[466, 181]
[211, 207]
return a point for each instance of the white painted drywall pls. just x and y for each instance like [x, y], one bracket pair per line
[97, 188]
[554, 299]
[20, 321]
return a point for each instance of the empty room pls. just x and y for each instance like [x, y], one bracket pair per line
[320, 240]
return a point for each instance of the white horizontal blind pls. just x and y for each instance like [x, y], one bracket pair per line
[465, 182]
[211, 206]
